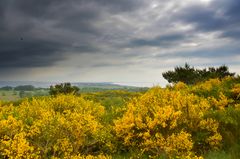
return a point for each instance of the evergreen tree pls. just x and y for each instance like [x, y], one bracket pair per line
[63, 88]
[190, 75]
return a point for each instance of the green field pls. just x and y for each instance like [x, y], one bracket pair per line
[9, 95]
[12, 95]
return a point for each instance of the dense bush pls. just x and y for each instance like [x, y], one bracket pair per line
[64, 126]
[167, 121]
[63, 88]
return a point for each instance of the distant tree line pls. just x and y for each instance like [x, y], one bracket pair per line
[6, 88]
[24, 88]
[190, 75]
[19, 88]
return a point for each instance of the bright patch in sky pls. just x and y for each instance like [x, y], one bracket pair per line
[206, 1]
[154, 5]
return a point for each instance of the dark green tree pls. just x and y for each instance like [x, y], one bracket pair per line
[212, 72]
[223, 71]
[24, 88]
[190, 75]
[184, 74]
[6, 88]
[63, 88]
[21, 93]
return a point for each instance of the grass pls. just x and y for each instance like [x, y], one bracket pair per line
[233, 152]
[9, 95]
[217, 155]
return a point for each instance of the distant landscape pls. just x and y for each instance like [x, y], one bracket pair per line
[48, 84]
[15, 90]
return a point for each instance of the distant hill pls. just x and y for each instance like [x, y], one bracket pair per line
[18, 83]
[81, 85]
[104, 85]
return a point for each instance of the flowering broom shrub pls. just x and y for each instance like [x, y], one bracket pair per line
[62, 126]
[171, 122]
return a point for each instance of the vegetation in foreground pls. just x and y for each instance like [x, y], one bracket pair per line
[180, 121]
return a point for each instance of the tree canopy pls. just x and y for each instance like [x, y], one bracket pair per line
[190, 75]
[63, 88]
[6, 88]
[24, 88]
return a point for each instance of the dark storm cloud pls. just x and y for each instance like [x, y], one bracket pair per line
[234, 34]
[23, 52]
[219, 15]
[52, 8]
[81, 22]
[122, 5]
[2, 17]
[203, 18]
[230, 8]
[20, 47]
[160, 41]
[36, 32]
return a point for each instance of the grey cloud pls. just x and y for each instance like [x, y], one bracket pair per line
[28, 19]
[114, 64]
[87, 48]
[230, 8]
[234, 34]
[221, 52]
[203, 18]
[220, 15]
[123, 5]
[23, 25]
[80, 21]
[159, 41]
[53, 8]
[23, 52]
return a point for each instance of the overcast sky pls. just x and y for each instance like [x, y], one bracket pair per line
[127, 41]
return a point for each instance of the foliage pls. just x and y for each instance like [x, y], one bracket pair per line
[111, 98]
[190, 75]
[24, 88]
[171, 122]
[6, 88]
[184, 74]
[218, 155]
[114, 101]
[13, 95]
[63, 88]
[9, 95]
[63, 126]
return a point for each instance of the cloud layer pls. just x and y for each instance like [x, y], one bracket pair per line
[113, 40]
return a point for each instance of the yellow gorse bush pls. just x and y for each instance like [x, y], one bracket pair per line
[236, 91]
[165, 121]
[61, 126]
